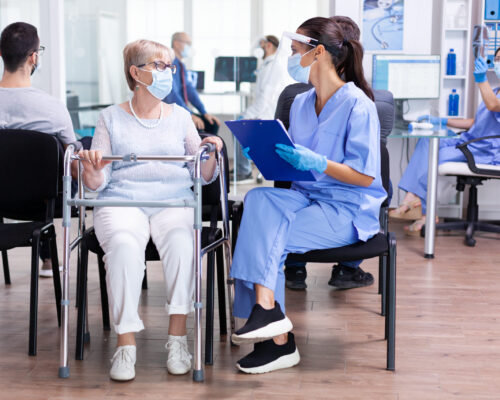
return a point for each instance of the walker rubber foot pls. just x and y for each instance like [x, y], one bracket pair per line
[63, 372]
[198, 375]
[428, 255]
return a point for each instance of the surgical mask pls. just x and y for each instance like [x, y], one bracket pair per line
[258, 52]
[161, 85]
[36, 67]
[297, 71]
[496, 67]
[186, 52]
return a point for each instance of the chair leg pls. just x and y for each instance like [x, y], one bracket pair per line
[6, 272]
[56, 277]
[221, 294]
[391, 305]
[209, 329]
[35, 253]
[104, 295]
[82, 303]
[145, 280]
[382, 265]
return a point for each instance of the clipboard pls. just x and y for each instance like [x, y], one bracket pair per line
[262, 136]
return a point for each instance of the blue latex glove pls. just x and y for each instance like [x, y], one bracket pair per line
[480, 69]
[433, 120]
[302, 158]
[245, 153]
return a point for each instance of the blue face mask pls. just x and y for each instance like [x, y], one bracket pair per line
[297, 71]
[161, 85]
[186, 52]
[496, 67]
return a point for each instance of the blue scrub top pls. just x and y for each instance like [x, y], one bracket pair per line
[346, 131]
[486, 123]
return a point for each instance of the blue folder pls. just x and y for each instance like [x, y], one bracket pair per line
[262, 136]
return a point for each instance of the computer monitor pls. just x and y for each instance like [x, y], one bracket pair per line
[235, 69]
[407, 77]
[197, 78]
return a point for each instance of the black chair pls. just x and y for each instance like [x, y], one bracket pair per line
[212, 212]
[470, 173]
[31, 173]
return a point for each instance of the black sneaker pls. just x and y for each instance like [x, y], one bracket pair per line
[262, 325]
[295, 278]
[348, 278]
[268, 356]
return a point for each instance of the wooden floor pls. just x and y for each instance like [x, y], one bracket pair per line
[448, 337]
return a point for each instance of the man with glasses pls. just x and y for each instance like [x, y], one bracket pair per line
[25, 107]
[184, 92]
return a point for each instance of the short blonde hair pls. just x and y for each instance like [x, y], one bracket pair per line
[141, 52]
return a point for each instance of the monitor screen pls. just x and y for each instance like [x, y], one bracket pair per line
[225, 70]
[407, 77]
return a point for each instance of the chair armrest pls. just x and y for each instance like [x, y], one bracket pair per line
[471, 162]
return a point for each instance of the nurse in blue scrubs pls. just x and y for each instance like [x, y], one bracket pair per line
[486, 123]
[335, 129]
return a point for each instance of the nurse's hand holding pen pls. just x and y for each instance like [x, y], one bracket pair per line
[305, 159]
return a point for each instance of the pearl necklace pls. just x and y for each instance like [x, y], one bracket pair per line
[154, 125]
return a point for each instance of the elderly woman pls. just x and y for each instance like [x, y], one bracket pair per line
[147, 126]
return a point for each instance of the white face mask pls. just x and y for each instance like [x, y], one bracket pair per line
[187, 51]
[496, 67]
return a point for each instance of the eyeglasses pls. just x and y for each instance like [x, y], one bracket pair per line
[40, 50]
[160, 66]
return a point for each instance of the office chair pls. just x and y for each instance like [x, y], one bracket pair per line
[470, 173]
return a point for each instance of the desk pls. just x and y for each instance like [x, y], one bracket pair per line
[432, 174]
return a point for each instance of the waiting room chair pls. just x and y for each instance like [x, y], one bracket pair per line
[470, 173]
[31, 172]
[212, 212]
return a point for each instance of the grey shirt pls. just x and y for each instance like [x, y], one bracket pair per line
[33, 109]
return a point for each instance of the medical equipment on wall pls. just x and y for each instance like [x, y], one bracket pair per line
[388, 16]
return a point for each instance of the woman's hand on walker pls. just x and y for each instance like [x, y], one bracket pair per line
[92, 160]
[214, 140]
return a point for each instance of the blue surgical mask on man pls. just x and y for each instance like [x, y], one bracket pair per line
[297, 71]
[161, 85]
[186, 52]
[496, 67]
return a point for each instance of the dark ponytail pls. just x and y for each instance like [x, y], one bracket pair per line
[347, 55]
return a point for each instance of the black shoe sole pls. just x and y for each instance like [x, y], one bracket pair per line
[293, 285]
[349, 284]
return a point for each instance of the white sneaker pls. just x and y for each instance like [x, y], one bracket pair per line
[122, 364]
[46, 270]
[178, 357]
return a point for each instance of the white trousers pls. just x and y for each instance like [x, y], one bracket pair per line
[123, 233]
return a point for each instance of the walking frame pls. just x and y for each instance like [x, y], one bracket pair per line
[81, 202]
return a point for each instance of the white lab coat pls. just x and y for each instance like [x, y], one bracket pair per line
[272, 78]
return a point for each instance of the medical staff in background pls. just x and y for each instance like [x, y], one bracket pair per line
[336, 132]
[486, 123]
[271, 80]
[184, 92]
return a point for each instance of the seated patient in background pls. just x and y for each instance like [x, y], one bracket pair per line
[24, 107]
[147, 126]
[486, 123]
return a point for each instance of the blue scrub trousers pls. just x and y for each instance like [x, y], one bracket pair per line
[414, 179]
[277, 222]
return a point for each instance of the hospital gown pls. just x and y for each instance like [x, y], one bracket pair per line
[325, 213]
[486, 123]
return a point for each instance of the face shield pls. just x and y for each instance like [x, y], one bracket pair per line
[290, 51]
[480, 40]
